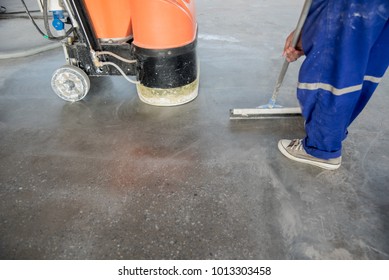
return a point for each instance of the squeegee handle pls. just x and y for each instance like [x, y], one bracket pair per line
[301, 21]
[296, 37]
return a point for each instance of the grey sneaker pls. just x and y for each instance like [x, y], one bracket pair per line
[294, 150]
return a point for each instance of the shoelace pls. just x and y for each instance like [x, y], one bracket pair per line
[296, 144]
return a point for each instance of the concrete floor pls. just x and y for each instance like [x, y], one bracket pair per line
[112, 178]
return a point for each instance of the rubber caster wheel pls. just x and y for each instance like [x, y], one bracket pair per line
[70, 83]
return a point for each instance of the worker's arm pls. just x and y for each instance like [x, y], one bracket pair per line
[290, 53]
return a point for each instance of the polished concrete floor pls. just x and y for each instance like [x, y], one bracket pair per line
[112, 178]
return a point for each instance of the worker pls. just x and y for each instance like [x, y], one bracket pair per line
[346, 44]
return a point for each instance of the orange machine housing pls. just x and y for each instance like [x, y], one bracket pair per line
[155, 24]
[111, 19]
[163, 24]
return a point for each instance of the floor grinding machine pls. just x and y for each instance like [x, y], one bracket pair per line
[154, 41]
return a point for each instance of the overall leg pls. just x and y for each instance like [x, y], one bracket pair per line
[376, 68]
[341, 40]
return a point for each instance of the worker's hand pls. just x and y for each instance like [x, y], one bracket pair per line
[290, 53]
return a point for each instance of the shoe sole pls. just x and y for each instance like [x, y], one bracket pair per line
[307, 161]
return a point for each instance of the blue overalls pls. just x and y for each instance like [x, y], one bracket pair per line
[346, 43]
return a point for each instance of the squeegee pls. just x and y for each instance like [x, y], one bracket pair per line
[273, 110]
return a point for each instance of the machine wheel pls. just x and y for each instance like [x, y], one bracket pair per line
[70, 83]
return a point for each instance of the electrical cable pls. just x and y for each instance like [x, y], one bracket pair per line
[116, 56]
[33, 21]
[17, 15]
[120, 70]
[46, 20]
[24, 53]
[17, 12]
